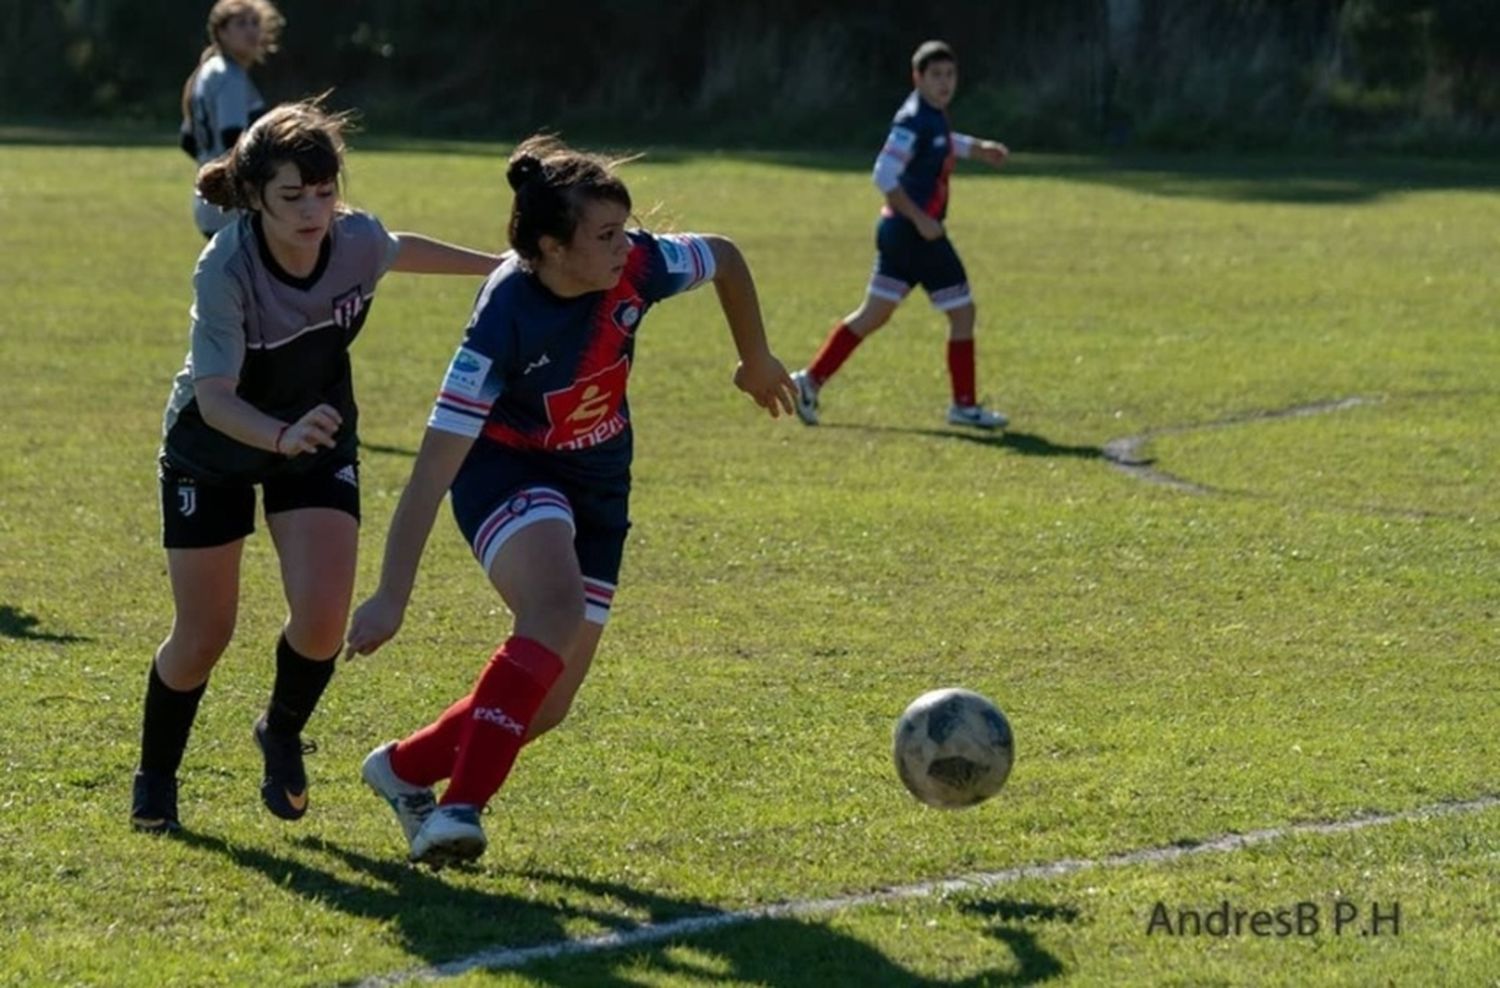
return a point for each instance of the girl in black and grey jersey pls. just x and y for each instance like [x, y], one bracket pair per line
[219, 99]
[266, 399]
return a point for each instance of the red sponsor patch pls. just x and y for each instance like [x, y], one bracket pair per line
[588, 412]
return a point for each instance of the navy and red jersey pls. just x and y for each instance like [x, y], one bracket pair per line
[919, 154]
[543, 373]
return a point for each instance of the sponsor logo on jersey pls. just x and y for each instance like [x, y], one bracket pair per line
[940, 141]
[347, 308]
[348, 475]
[466, 373]
[676, 256]
[187, 500]
[587, 412]
[501, 719]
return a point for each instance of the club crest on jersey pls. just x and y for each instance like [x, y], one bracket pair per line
[627, 313]
[347, 308]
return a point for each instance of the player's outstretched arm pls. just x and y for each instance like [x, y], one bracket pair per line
[379, 618]
[424, 255]
[990, 152]
[760, 374]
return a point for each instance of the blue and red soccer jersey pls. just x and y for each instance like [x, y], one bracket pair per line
[538, 372]
[919, 154]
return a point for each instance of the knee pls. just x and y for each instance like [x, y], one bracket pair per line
[193, 648]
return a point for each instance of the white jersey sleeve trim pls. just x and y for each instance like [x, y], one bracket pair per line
[469, 392]
[688, 254]
[963, 145]
[891, 162]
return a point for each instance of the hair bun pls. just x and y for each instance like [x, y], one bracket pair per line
[523, 169]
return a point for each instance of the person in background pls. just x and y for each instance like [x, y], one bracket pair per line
[912, 246]
[219, 101]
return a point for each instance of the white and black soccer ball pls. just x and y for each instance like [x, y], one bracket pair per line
[953, 748]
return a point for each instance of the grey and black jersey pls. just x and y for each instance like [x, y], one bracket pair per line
[223, 100]
[284, 339]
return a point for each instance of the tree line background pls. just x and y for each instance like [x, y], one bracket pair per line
[1409, 74]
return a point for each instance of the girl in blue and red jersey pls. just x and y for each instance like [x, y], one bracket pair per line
[531, 433]
[912, 245]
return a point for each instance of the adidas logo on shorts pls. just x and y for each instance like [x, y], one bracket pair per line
[348, 475]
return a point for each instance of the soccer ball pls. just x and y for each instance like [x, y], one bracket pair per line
[953, 748]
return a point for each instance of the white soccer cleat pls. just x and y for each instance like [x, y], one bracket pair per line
[452, 834]
[976, 417]
[807, 398]
[412, 804]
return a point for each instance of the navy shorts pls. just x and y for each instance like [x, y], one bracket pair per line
[198, 515]
[500, 491]
[903, 260]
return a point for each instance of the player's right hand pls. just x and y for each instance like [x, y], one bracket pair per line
[316, 428]
[929, 228]
[375, 622]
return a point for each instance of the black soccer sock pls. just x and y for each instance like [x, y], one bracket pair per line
[300, 682]
[166, 724]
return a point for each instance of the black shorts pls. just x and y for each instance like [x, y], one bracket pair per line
[198, 515]
[500, 491]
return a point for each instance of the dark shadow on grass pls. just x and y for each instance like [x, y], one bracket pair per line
[447, 925]
[18, 624]
[1023, 443]
[790, 951]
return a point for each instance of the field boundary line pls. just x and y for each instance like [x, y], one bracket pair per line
[503, 958]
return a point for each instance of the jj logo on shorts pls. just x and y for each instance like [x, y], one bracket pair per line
[187, 500]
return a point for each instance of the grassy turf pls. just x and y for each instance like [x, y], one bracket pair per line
[1314, 639]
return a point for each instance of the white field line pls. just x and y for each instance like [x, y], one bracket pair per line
[498, 958]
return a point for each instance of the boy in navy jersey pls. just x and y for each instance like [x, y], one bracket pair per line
[912, 246]
[531, 432]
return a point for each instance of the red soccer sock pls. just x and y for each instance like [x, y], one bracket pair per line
[426, 757]
[961, 370]
[831, 355]
[509, 693]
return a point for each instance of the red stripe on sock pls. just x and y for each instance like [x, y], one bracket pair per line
[831, 355]
[961, 370]
[505, 699]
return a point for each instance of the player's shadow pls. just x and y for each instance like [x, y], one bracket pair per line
[444, 922]
[790, 951]
[1023, 443]
[16, 623]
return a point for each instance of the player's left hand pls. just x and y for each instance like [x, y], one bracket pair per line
[766, 380]
[993, 153]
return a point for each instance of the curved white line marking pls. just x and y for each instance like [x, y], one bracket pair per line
[499, 958]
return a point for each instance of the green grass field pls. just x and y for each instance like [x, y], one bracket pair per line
[1312, 636]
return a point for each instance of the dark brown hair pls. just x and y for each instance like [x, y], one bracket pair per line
[304, 134]
[931, 51]
[552, 183]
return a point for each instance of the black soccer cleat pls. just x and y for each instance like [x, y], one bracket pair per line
[153, 803]
[284, 786]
